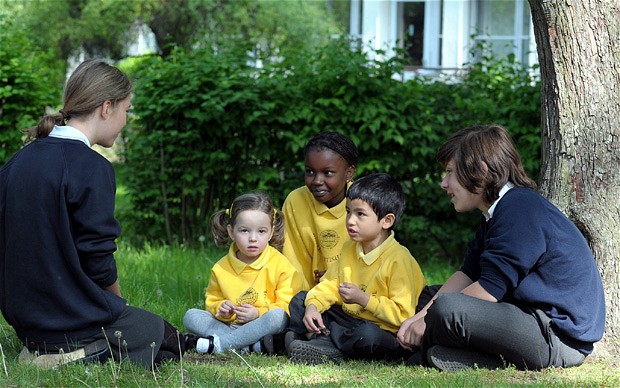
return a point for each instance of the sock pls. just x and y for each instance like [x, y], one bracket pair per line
[203, 344]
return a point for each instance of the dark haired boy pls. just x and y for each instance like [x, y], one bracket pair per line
[361, 301]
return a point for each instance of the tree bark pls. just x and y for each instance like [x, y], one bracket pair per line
[579, 55]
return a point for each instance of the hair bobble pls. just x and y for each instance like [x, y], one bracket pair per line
[229, 211]
[275, 214]
[64, 114]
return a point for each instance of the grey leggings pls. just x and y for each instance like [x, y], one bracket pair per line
[203, 323]
[519, 336]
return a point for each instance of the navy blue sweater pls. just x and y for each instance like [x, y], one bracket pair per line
[57, 240]
[530, 254]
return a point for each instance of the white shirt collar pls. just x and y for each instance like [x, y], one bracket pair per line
[67, 132]
[489, 214]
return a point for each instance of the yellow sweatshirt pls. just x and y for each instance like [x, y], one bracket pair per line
[389, 274]
[267, 283]
[314, 233]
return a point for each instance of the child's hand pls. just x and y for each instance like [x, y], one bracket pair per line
[227, 309]
[350, 293]
[411, 331]
[318, 275]
[246, 313]
[313, 320]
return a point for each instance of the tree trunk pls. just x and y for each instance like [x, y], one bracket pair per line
[579, 54]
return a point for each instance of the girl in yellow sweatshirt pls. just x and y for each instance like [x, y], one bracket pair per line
[315, 213]
[250, 288]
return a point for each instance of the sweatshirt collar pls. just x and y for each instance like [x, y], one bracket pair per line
[239, 265]
[504, 190]
[320, 208]
[373, 255]
[68, 132]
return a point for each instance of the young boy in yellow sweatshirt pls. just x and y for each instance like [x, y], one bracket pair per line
[361, 301]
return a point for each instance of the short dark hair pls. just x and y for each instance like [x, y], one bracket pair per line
[382, 192]
[336, 142]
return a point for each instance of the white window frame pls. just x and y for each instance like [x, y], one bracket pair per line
[432, 29]
[519, 32]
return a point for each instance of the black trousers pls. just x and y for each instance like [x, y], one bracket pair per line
[139, 335]
[356, 338]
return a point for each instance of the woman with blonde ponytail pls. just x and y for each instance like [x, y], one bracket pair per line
[59, 285]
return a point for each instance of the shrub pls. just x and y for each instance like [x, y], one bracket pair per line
[27, 85]
[209, 126]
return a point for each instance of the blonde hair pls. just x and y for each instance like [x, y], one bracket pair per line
[91, 84]
[255, 200]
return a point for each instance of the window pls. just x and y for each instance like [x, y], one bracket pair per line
[418, 26]
[506, 27]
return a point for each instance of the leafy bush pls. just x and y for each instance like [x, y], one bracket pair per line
[27, 86]
[210, 126]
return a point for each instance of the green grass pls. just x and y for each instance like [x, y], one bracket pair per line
[169, 280]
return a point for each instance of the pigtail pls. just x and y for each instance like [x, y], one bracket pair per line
[219, 227]
[277, 240]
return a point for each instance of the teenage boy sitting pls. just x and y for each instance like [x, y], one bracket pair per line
[361, 301]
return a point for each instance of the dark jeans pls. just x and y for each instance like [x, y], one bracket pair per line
[523, 337]
[356, 338]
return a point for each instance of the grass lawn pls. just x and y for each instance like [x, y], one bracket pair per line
[168, 281]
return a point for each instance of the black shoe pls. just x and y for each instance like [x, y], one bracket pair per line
[190, 341]
[454, 359]
[415, 359]
[289, 337]
[278, 343]
[266, 345]
[315, 351]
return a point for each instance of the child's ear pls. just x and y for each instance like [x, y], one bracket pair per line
[349, 173]
[388, 221]
[230, 231]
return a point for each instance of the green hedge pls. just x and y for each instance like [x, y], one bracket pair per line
[27, 85]
[210, 125]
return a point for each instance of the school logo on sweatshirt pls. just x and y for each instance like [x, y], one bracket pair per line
[328, 239]
[250, 296]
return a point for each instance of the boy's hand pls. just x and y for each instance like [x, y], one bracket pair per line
[318, 275]
[227, 309]
[246, 313]
[350, 293]
[313, 320]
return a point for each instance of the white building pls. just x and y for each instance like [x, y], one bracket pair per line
[438, 35]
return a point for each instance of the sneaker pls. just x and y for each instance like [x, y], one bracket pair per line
[190, 341]
[289, 337]
[278, 344]
[95, 351]
[266, 344]
[315, 351]
[454, 359]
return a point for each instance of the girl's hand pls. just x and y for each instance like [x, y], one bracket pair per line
[227, 309]
[246, 313]
[318, 275]
[313, 320]
[411, 331]
[350, 293]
